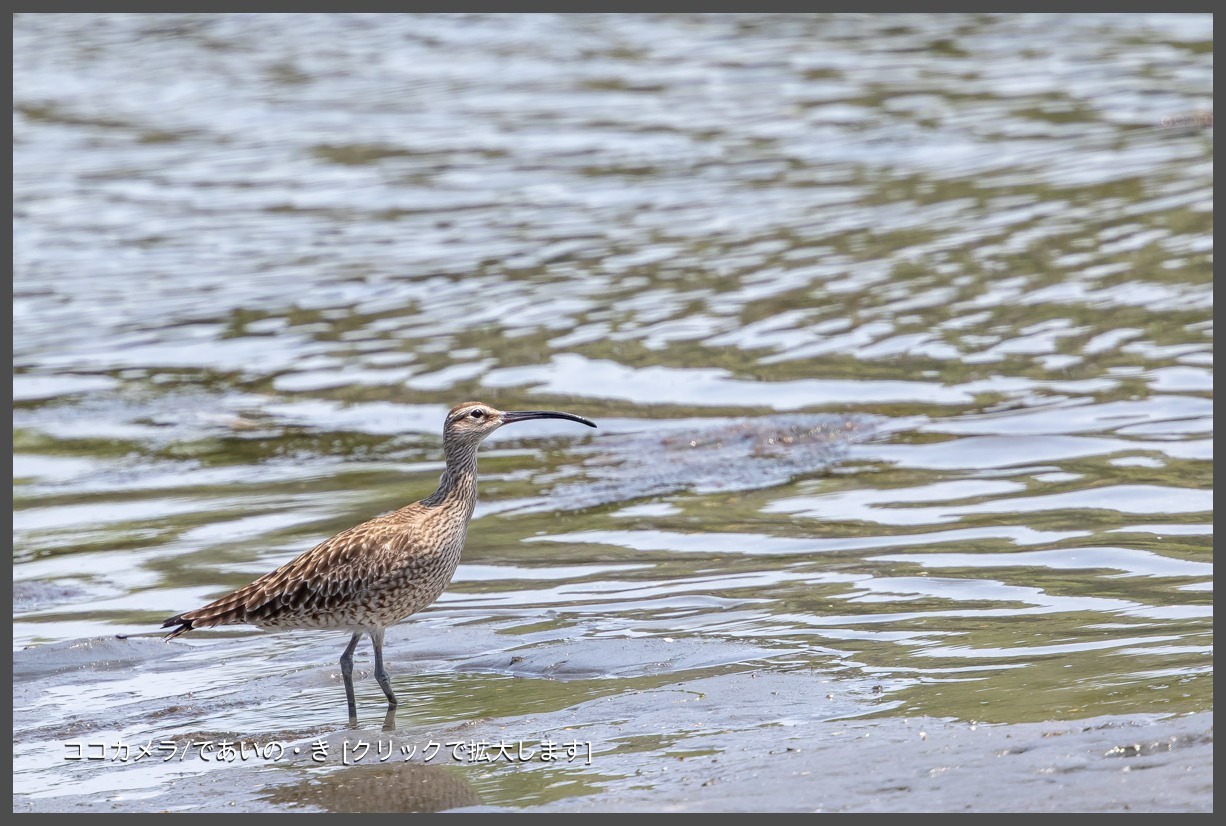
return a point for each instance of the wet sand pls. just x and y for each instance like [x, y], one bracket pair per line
[684, 726]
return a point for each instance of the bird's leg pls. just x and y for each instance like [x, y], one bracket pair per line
[347, 674]
[376, 639]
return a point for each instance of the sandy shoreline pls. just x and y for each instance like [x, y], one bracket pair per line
[705, 734]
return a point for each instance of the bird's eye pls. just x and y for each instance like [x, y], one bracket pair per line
[477, 414]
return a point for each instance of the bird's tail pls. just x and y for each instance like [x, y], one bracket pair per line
[184, 625]
[225, 611]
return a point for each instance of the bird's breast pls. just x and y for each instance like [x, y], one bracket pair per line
[425, 569]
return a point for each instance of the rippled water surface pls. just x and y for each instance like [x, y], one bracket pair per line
[898, 331]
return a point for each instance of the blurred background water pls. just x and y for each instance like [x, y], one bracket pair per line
[256, 257]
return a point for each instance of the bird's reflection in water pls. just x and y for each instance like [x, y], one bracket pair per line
[391, 787]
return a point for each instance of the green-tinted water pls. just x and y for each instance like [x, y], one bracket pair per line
[256, 258]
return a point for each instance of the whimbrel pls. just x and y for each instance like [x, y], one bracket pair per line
[377, 573]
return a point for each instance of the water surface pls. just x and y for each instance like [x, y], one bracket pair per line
[964, 264]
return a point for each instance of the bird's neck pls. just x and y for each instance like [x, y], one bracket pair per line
[457, 484]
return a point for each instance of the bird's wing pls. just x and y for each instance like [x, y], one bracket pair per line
[333, 573]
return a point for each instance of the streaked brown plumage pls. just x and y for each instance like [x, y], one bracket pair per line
[377, 573]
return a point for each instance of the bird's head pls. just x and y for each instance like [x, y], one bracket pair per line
[470, 422]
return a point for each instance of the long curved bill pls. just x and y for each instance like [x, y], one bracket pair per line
[528, 415]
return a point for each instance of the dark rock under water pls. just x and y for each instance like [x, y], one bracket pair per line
[744, 454]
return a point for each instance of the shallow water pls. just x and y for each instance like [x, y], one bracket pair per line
[898, 332]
